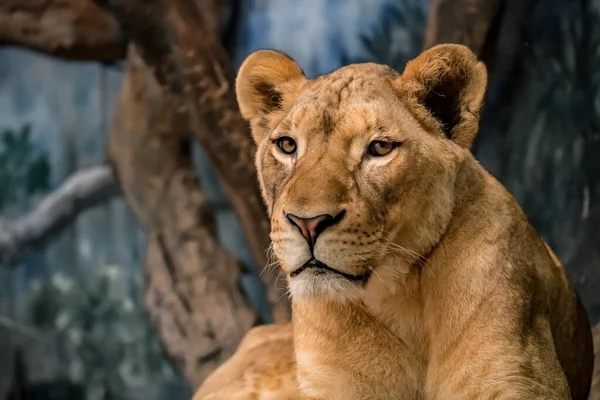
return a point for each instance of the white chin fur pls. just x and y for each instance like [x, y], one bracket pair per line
[307, 285]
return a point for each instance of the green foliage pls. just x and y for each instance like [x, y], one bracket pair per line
[22, 171]
[103, 335]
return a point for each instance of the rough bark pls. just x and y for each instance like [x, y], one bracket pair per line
[81, 191]
[468, 22]
[193, 68]
[192, 291]
[77, 29]
[595, 392]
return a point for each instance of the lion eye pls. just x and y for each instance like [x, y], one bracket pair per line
[380, 148]
[286, 144]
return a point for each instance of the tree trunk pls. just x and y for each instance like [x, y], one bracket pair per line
[467, 22]
[189, 61]
[192, 289]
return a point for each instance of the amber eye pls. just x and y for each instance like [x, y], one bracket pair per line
[380, 148]
[286, 144]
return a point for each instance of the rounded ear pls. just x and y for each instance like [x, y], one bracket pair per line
[267, 81]
[445, 86]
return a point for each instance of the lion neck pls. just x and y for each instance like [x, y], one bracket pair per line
[345, 350]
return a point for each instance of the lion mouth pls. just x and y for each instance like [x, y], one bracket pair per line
[320, 268]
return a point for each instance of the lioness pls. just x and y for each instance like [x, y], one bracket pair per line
[413, 273]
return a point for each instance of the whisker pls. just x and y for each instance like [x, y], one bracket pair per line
[280, 274]
[271, 260]
[401, 250]
[373, 271]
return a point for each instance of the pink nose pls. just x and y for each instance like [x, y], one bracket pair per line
[312, 227]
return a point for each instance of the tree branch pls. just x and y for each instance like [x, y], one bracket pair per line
[76, 29]
[11, 325]
[81, 191]
[192, 291]
[189, 61]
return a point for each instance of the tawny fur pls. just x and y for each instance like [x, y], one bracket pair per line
[464, 300]
[261, 369]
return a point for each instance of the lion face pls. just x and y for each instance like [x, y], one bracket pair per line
[357, 167]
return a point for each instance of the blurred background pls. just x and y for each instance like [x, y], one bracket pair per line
[132, 234]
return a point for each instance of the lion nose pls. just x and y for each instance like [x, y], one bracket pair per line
[312, 227]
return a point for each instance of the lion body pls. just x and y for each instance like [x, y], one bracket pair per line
[435, 284]
[261, 369]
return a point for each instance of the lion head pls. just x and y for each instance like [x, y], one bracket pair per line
[357, 167]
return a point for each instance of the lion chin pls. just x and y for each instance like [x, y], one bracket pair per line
[315, 278]
[413, 273]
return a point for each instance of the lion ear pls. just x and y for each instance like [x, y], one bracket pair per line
[445, 86]
[267, 81]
